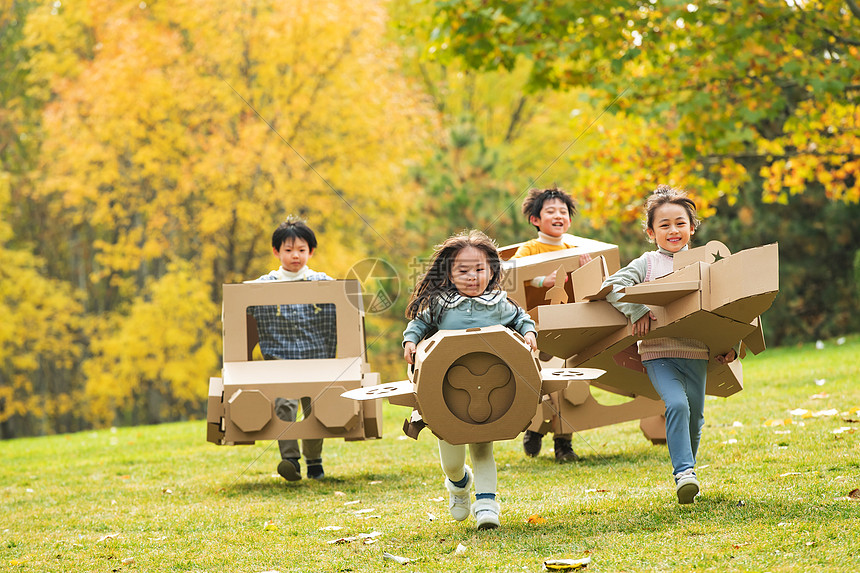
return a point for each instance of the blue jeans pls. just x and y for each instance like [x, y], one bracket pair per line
[680, 382]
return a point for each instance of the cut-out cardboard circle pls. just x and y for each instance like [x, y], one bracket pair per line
[479, 388]
[448, 376]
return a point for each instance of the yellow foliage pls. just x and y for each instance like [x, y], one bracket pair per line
[39, 334]
[169, 341]
[176, 136]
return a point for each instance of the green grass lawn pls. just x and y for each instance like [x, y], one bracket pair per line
[775, 494]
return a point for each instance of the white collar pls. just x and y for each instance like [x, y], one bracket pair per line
[548, 240]
[283, 274]
[488, 298]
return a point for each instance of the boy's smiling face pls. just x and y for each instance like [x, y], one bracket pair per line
[293, 254]
[554, 218]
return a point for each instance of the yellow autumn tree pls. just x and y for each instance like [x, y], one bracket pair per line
[184, 132]
[40, 342]
[150, 363]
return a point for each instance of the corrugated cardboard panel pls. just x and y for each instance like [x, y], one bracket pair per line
[215, 411]
[659, 294]
[719, 333]
[744, 285]
[725, 379]
[684, 305]
[588, 280]
[567, 329]
[630, 380]
[592, 414]
[755, 340]
[285, 371]
[747, 308]
[326, 402]
[711, 252]
[372, 409]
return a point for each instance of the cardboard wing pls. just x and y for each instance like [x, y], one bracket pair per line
[249, 401]
[717, 302]
[479, 384]
[573, 407]
[386, 390]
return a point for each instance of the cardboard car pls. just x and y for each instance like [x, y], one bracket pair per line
[574, 408]
[242, 405]
[712, 295]
[474, 385]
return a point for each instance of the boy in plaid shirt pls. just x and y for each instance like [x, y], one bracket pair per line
[296, 332]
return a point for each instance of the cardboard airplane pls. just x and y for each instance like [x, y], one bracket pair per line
[241, 407]
[474, 385]
[518, 273]
[575, 408]
[712, 295]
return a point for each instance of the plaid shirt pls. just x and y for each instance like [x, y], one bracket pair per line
[297, 331]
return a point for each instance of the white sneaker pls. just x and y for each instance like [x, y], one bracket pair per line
[459, 498]
[686, 486]
[486, 513]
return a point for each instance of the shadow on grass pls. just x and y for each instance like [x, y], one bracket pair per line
[350, 483]
[617, 460]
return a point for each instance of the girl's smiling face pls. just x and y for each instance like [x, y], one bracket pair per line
[470, 272]
[671, 228]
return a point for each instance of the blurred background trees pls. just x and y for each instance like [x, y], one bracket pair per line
[147, 150]
[754, 107]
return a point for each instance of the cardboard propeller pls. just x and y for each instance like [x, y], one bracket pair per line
[386, 390]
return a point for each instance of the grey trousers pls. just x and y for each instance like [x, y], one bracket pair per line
[286, 410]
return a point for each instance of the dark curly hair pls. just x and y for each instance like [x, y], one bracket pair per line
[436, 282]
[537, 197]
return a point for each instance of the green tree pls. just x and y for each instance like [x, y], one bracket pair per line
[749, 88]
[749, 105]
